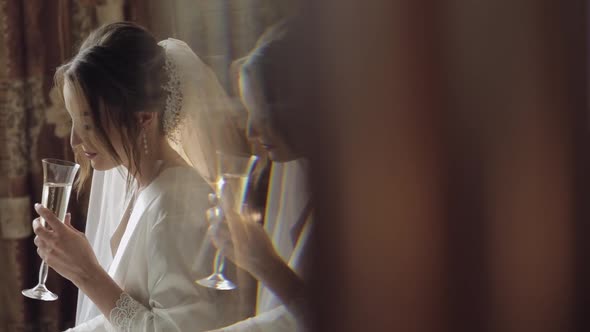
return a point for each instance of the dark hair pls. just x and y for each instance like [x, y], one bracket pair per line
[119, 70]
[270, 64]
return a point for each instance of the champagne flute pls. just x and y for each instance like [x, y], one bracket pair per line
[58, 177]
[232, 174]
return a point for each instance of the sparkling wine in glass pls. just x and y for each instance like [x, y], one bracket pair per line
[58, 177]
[236, 184]
[233, 171]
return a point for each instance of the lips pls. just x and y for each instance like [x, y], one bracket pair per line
[90, 155]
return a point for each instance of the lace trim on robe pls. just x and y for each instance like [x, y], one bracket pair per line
[124, 311]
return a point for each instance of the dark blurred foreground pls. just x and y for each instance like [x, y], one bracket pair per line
[450, 144]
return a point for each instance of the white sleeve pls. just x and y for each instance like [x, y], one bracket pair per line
[177, 250]
[174, 246]
[175, 302]
[97, 324]
[277, 319]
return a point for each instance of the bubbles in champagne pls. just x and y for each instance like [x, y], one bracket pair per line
[56, 197]
[237, 185]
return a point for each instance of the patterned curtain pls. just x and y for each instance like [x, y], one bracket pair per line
[35, 37]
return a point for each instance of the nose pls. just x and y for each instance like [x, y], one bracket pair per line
[74, 139]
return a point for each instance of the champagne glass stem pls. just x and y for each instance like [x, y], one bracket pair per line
[218, 262]
[43, 271]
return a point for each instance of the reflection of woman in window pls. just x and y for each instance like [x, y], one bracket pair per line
[273, 254]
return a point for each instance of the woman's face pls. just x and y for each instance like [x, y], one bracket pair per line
[83, 136]
[260, 127]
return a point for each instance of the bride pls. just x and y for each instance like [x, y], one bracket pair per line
[133, 104]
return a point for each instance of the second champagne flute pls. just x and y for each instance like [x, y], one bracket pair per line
[232, 174]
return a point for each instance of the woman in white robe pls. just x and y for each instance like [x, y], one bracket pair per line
[134, 103]
[162, 251]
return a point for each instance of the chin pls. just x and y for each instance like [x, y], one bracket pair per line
[100, 165]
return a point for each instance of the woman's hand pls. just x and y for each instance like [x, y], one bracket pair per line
[244, 241]
[63, 248]
[241, 238]
[69, 253]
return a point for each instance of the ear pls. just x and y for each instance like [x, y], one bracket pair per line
[145, 118]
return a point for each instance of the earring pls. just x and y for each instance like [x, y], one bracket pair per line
[145, 144]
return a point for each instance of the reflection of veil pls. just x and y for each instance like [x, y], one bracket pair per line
[201, 116]
[197, 121]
